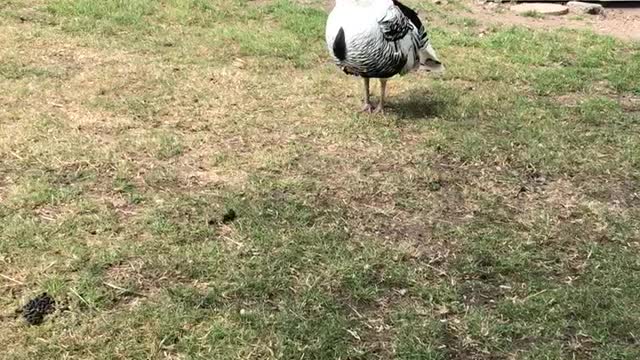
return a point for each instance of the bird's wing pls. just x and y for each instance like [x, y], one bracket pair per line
[394, 24]
[400, 19]
[413, 17]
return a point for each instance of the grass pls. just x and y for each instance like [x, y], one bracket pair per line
[490, 214]
[533, 14]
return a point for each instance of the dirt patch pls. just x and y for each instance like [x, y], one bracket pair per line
[620, 21]
[630, 103]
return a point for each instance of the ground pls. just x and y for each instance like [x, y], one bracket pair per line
[491, 213]
[620, 19]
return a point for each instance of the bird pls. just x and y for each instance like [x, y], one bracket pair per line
[378, 39]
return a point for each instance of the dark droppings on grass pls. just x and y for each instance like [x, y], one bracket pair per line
[37, 308]
[229, 216]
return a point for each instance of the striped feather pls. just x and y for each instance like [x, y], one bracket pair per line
[376, 39]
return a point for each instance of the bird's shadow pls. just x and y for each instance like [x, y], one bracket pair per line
[415, 105]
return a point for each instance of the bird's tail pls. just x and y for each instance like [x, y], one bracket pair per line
[429, 60]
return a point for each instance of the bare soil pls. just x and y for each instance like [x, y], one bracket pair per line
[619, 20]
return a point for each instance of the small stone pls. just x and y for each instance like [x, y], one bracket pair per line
[540, 8]
[585, 8]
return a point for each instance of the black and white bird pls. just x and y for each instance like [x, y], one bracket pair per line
[378, 39]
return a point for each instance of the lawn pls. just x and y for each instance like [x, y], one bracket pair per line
[492, 213]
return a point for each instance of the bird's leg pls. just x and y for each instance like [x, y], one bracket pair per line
[383, 89]
[367, 107]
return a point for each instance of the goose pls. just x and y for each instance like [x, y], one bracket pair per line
[378, 39]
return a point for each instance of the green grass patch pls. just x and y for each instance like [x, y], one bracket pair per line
[490, 213]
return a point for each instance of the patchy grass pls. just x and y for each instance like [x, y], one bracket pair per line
[491, 214]
[533, 14]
